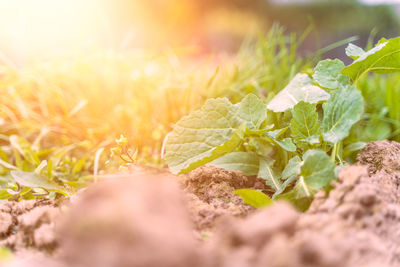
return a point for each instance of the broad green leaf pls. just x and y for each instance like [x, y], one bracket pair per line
[299, 89]
[327, 74]
[203, 136]
[34, 180]
[316, 172]
[354, 51]
[383, 58]
[267, 173]
[292, 168]
[210, 132]
[304, 125]
[246, 162]
[343, 109]
[254, 198]
[252, 111]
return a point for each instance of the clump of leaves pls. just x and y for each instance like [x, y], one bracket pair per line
[296, 147]
[28, 172]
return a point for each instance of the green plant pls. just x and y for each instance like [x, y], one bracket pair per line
[382, 110]
[27, 171]
[296, 147]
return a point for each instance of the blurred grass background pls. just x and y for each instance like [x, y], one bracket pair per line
[93, 98]
[155, 61]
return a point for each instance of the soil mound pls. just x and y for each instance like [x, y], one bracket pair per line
[210, 195]
[355, 225]
[139, 221]
[381, 155]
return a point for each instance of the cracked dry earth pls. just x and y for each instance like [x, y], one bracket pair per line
[148, 220]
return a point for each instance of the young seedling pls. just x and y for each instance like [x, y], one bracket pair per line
[123, 152]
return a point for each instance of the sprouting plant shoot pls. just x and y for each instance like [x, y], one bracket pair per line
[295, 141]
[123, 152]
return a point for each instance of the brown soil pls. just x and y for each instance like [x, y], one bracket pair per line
[381, 155]
[210, 195]
[28, 225]
[144, 221]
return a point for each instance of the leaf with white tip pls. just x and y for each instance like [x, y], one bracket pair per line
[383, 58]
[354, 51]
[299, 89]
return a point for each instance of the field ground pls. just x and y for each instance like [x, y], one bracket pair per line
[121, 222]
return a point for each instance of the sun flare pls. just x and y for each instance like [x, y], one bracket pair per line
[49, 26]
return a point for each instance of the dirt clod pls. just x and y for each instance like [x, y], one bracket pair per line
[381, 155]
[210, 195]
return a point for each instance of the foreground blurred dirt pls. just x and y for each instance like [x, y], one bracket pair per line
[28, 224]
[147, 220]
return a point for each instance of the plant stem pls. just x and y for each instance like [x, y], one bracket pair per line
[339, 152]
[333, 153]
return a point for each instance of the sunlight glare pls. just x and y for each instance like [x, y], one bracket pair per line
[49, 26]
